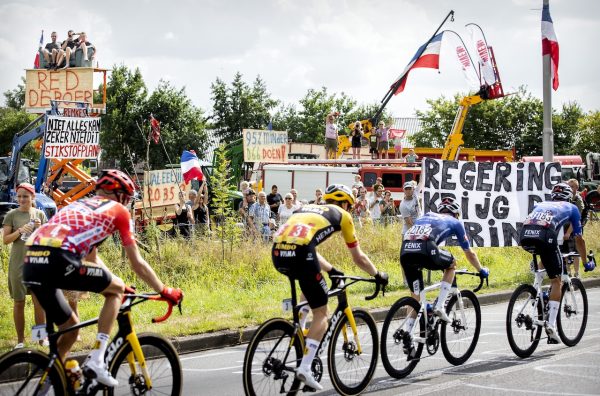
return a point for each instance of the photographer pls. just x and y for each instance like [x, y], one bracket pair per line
[388, 211]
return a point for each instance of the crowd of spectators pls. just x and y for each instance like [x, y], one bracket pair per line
[59, 56]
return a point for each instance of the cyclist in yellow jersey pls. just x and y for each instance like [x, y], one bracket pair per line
[294, 254]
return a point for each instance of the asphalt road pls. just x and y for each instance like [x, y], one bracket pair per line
[493, 369]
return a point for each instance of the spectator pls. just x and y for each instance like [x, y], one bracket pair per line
[184, 217]
[357, 182]
[244, 208]
[296, 201]
[357, 134]
[378, 184]
[409, 207]
[388, 211]
[83, 44]
[569, 243]
[361, 207]
[201, 215]
[50, 52]
[274, 200]
[331, 135]
[286, 210]
[375, 205]
[66, 49]
[17, 225]
[244, 187]
[260, 214]
[411, 158]
[398, 146]
[382, 134]
[318, 198]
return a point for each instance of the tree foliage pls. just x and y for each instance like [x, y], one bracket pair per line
[513, 121]
[588, 139]
[15, 98]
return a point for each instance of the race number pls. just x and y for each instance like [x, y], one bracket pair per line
[286, 305]
[38, 332]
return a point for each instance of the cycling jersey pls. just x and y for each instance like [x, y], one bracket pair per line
[313, 224]
[555, 214]
[437, 228]
[84, 224]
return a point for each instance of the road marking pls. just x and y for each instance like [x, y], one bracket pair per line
[212, 369]
[559, 370]
[529, 392]
[209, 355]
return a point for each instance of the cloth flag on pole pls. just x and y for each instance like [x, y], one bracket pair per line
[36, 62]
[550, 43]
[482, 51]
[429, 58]
[190, 166]
[154, 128]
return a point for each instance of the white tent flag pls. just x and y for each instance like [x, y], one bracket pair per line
[482, 52]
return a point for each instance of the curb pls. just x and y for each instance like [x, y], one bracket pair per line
[228, 338]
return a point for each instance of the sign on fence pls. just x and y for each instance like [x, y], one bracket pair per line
[265, 146]
[72, 137]
[495, 197]
[162, 187]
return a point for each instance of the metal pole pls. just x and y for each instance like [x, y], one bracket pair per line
[548, 133]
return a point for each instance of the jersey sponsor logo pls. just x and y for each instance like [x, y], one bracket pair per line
[534, 233]
[38, 260]
[413, 245]
[544, 217]
[87, 235]
[38, 253]
[90, 271]
[314, 209]
[287, 253]
[285, 246]
[324, 233]
[309, 257]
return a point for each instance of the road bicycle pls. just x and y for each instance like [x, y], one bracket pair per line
[143, 364]
[351, 342]
[527, 311]
[402, 344]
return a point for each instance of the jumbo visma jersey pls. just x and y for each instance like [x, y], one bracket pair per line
[313, 224]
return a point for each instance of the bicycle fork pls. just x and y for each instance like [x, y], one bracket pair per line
[136, 354]
[352, 321]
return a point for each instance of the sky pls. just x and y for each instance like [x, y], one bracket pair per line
[352, 46]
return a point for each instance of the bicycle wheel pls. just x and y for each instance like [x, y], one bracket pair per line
[394, 338]
[21, 370]
[459, 338]
[351, 370]
[270, 360]
[572, 314]
[162, 364]
[523, 310]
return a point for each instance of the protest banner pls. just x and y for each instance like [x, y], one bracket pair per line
[495, 197]
[42, 86]
[72, 137]
[161, 187]
[265, 146]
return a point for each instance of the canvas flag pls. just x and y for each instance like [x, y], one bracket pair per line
[550, 43]
[480, 47]
[428, 56]
[190, 166]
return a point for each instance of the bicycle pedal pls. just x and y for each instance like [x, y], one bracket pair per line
[552, 341]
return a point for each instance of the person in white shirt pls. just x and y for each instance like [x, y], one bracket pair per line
[409, 207]
[374, 205]
[286, 210]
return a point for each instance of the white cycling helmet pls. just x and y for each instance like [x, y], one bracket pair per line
[561, 192]
[448, 205]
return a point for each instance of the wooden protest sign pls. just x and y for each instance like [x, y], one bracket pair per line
[265, 146]
[72, 137]
[161, 187]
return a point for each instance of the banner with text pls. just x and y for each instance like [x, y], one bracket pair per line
[495, 197]
[42, 86]
[72, 137]
[160, 187]
[265, 146]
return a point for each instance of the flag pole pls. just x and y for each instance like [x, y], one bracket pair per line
[394, 87]
[547, 133]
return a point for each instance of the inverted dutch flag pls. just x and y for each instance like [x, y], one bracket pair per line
[190, 166]
[550, 43]
[430, 58]
[36, 62]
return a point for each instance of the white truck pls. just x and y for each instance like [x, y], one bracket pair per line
[304, 178]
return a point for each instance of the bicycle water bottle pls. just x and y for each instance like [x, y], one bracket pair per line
[73, 373]
[429, 308]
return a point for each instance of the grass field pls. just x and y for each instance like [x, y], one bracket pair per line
[245, 289]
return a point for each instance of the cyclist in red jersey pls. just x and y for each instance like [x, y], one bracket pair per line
[54, 262]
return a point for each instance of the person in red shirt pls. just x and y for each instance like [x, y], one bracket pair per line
[54, 262]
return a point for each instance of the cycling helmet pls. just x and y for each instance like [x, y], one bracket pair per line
[448, 205]
[561, 192]
[340, 193]
[117, 182]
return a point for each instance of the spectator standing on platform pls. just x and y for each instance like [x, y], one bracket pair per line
[18, 224]
[331, 135]
[286, 210]
[410, 209]
[383, 140]
[398, 146]
[356, 141]
[274, 199]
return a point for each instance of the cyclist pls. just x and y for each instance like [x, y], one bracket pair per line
[54, 262]
[420, 250]
[294, 254]
[539, 236]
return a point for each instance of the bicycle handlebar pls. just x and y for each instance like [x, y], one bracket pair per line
[378, 286]
[481, 278]
[130, 293]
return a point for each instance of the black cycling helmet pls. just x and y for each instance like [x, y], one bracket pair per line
[561, 192]
[448, 205]
[115, 181]
[339, 193]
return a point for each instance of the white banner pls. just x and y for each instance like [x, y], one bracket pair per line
[495, 197]
[72, 137]
[265, 146]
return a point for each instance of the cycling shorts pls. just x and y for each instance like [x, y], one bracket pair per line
[418, 254]
[47, 271]
[301, 262]
[540, 240]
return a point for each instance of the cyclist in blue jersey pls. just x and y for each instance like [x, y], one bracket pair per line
[539, 236]
[420, 250]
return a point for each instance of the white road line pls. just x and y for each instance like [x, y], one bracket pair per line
[559, 370]
[528, 391]
[210, 355]
[213, 369]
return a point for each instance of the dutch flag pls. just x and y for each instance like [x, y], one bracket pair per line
[190, 166]
[550, 43]
[429, 58]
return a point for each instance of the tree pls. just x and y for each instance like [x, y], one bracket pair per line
[240, 106]
[588, 138]
[15, 99]
[13, 121]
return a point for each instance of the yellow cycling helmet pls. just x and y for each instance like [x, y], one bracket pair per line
[340, 193]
